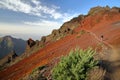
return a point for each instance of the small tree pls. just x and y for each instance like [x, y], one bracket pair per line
[74, 66]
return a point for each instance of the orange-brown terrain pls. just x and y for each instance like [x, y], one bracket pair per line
[100, 29]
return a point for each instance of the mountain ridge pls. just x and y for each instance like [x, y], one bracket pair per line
[8, 44]
[92, 26]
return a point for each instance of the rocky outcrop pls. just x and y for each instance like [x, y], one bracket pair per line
[30, 43]
[100, 15]
[66, 29]
[8, 59]
[30, 48]
[12, 56]
[96, 10]
[115, 9]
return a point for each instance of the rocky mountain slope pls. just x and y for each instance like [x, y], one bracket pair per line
[8, 60]
[8, 44]
[100, 29]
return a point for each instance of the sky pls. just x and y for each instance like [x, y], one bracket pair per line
[35, 18]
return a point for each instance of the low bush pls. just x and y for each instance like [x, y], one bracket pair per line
[75, 66]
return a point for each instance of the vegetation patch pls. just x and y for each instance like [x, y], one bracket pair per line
[80, 33]
[75, 66]
[36, 74]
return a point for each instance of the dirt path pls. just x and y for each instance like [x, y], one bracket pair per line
[113, 61]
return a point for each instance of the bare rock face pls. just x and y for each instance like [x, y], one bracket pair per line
[95, 10]
[30, 43]
[12, 56]
[32, 47]
[115, 9]
[66, 29]
[103, 10]
[43, 39]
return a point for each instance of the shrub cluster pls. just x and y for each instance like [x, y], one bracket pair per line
[75, 66]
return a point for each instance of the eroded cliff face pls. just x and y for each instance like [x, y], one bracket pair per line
[83, 31]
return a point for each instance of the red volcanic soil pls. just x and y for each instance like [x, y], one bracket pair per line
[42, 57]
[107, 26]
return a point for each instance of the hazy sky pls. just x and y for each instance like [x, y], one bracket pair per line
[35, 18]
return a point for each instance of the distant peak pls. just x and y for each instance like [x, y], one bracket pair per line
[8, 36]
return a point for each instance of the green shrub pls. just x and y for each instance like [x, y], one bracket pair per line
[75, 66]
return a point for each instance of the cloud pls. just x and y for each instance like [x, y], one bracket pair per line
[36, 8]
[51, 24]
[15, 5]
[45, 24]
[27, 7]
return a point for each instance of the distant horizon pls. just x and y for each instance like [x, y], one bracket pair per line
[36, 18]
[20, 36]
